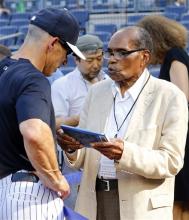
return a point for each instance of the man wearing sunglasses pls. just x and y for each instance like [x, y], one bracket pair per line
[131, 176]
[31, 183]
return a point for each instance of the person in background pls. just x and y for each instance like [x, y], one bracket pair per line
[131, 176]
[69, 92]
[31, 183]
[4, 52]
[170, 41]
[180, 2]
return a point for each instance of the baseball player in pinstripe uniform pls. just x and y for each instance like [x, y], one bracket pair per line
[31, 184]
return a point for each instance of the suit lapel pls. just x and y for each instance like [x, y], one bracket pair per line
[143, 102]
[106, 108]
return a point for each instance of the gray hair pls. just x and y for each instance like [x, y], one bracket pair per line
[142, 38]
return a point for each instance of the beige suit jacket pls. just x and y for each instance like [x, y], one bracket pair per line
[153, 151]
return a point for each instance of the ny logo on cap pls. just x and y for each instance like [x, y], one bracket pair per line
[33, 18]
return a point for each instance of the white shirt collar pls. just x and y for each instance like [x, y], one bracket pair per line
[134, 90]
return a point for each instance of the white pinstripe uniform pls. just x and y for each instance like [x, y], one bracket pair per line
[28, 201]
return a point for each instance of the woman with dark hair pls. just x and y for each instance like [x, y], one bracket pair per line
[170, 40]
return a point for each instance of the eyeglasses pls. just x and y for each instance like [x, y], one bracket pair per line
[120, 53]
[66, 47]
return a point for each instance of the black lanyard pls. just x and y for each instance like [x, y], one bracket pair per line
[119, 127]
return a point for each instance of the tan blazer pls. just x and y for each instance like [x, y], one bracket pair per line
[153, 151]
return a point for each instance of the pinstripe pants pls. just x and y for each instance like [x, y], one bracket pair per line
[28, 201]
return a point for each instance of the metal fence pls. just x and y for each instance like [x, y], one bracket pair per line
[94, 6]
[102, 17]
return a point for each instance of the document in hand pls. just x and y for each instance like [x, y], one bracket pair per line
[84, 136]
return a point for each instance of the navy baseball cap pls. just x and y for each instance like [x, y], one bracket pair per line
[59, 23]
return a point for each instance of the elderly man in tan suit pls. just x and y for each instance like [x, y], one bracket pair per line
[130, 177]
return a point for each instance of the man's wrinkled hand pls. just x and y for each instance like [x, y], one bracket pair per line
[112, 149]
[66, 142]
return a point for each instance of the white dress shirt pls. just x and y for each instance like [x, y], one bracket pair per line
[69, 92]
[122, 107]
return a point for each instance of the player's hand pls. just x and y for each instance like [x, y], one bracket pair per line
[112, 149]
[63, 188]
[66, 142]
[56, 182]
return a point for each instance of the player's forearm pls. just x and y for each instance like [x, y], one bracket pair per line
[43, 159]
[39, 145]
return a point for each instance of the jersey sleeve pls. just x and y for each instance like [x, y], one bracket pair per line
[34, 100]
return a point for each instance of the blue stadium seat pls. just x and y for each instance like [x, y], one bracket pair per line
[173, 16]
[4, 22]
[19, 15]
[134, 18]
[19, 22]
[100, 1]
[123, 25]
[49, 3]
[103, 35]
[161, 3]
[122, 5]
[179, 10]
[7, 30]
[5, 16]
[61, 3]
[75, 4]
[23, 29]
[20, 39]
[185, 23]
[101, 8]
[185, 17]
[111, 28]
[82, 17]
[12, 5]
[32, 5]
[107, 6]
